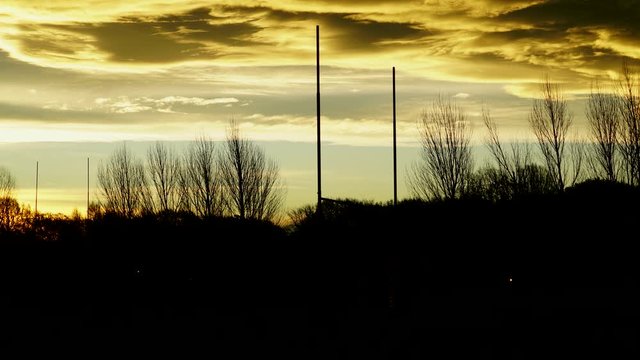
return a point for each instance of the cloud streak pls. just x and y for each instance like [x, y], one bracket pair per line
[197, 101]
[437, 39]
[136, 61]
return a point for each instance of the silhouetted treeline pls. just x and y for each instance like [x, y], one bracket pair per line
[237, 180]
[445, 167]
[578, 226]
[450, 264]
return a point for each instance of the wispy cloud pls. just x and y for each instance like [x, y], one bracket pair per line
[124, 104]
[197, 101]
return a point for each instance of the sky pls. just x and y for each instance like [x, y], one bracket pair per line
[80, 78]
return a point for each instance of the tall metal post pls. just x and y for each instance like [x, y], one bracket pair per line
[395, 165]
[318, 115]
[87, 188]
[37, 175]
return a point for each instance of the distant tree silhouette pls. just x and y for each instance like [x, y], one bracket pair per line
[630, 134]
[12, 217]
[550, 121]
[493, 184]
[200, 183]
[76, 215]
[298, 216]
[578, 156]
[10, 214]
[602, 111]
[515, 170]
[15, 218]
[252, 185]
[163, 166]
[7, 183]
[96, 210]
[123, 184]
[445, 163]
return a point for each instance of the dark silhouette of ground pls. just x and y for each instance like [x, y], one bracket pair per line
[441, 279]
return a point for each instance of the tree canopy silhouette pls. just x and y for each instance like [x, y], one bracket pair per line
[200, 180]
[445, 162]
[251, 183]
[123, 184]
[163, 166]
[630, 134]
[602, 111]
[7, 182]
[550, 120]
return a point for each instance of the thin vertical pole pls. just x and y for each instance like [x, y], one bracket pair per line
[318, 115]
[395, 164]
[37, 175]
[87, 188]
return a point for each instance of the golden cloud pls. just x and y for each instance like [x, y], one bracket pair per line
[487, 40]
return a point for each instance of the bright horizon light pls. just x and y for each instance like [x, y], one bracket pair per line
[102, 72]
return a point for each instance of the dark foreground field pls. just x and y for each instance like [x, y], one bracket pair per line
[469, 323]
[535, 278]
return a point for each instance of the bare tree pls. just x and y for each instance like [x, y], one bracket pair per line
[123, 184]
[252, 185]
[185, 193]
[9, 208]
[550, 121]
[604, 121]
[7, 183]
[515, 161]
[163, 167]
[445, 163]
[515, 175]
[200, 179]
[630, 134]
[578, 153]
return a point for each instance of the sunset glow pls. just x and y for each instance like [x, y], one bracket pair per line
[101, 71]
